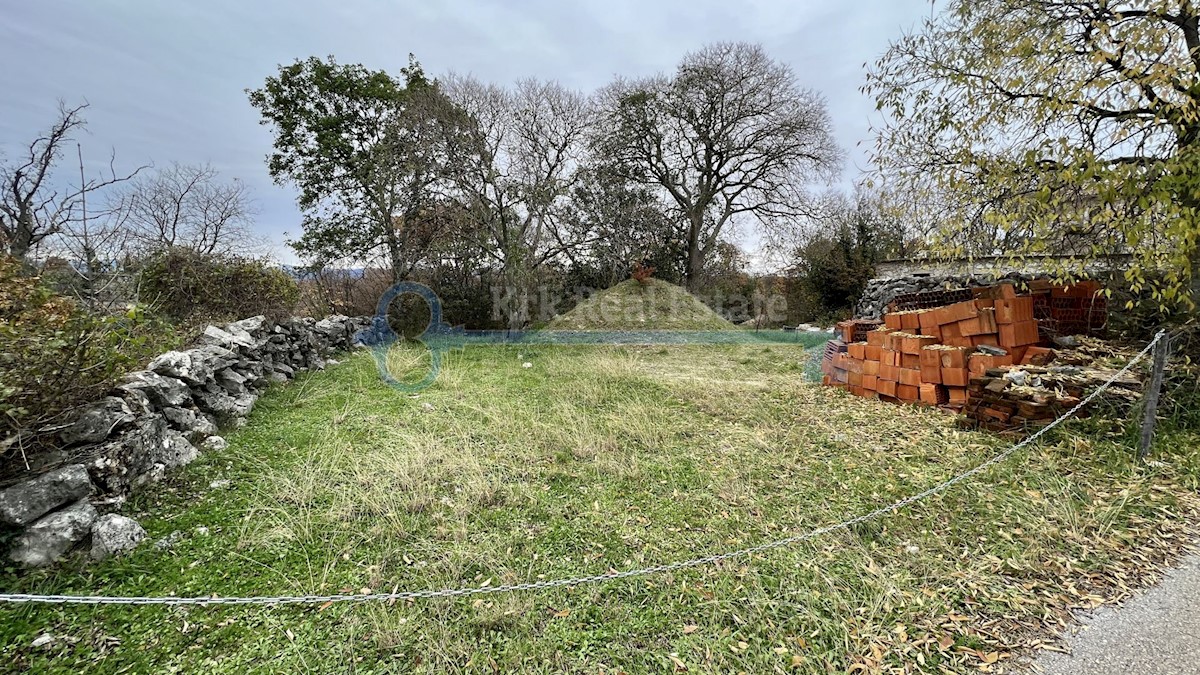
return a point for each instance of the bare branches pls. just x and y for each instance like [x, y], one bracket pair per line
[188, 207]
[33, 207]
[730, 133]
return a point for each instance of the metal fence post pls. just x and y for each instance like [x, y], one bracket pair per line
[1160, 364]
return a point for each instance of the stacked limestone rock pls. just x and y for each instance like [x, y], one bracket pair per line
[879, 292]
[156, 420]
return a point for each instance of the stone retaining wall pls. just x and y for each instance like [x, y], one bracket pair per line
[882, 290]
[156, 420]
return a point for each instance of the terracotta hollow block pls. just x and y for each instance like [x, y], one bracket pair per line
[908, 393]
[870, 367]
[933, 394]
[928, 321]
[956, 377]
[931, 374]
[855, 379]
[911, 361]
[987, 319]
[1014, 310]
[870, 382]
[857, 350]
[961, 311]
[886, 387]
[955, 357]
[892, 321]
[910, 376]
[873, 352]
[875, 337]
[931, 356]
[910, 321]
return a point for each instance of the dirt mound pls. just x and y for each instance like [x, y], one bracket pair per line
[630, 305]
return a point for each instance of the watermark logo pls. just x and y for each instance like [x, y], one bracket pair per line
[439, 337]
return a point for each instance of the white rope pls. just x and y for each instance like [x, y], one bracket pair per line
[573, 581]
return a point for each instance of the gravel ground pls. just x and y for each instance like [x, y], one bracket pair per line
[1155, 633]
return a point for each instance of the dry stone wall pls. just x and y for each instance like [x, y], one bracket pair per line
[882, 290]
[156, 420]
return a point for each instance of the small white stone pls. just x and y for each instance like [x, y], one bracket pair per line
[114, 534]
[219, 484]
[527, 365]
[202, 530]
[43, 640]
[214, 443]
[427, 407]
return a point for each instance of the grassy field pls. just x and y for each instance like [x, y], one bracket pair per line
[599, 458]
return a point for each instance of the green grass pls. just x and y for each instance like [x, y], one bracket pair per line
[599, 458]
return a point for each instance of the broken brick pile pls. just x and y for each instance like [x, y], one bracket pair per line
[950, 354]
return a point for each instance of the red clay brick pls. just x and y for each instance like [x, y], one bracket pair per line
[1018, 334]
[857, 350]
[886, 387]
[931, 374]
[957, 377]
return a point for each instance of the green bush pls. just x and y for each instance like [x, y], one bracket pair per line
[184, 285]
[55, 356]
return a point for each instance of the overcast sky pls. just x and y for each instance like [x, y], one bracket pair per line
[166, 79]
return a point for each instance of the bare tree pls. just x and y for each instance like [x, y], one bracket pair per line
[729, 134]
[32, 206]
[519, 168]
[186, 207]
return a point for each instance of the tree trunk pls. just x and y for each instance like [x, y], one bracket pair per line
[695, 259]
[396, 258]
[22, 239]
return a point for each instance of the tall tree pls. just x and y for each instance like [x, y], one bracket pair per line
[1056, 126]
[518, 168]
[368, 152]
[35, 204]
[729, 134]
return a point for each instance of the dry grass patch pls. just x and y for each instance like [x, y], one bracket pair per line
[599, 458]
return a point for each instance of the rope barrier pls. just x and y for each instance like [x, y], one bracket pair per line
[576, 581]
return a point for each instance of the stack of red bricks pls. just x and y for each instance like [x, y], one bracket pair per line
[929, 355]
[1070, 310]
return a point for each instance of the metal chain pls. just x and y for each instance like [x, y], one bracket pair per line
[577, 581]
